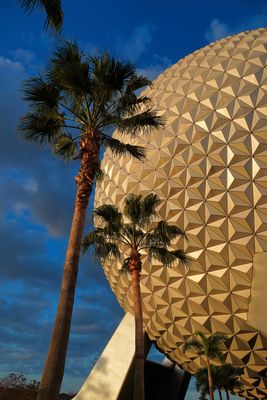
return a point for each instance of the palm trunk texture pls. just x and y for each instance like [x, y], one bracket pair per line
[210, 380]
[55, 362]
[139, 387]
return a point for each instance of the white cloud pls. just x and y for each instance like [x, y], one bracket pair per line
[26, 57]
[7, 64]
[155, 68]
[151, 71]
[217, 30]
[137, 42]
[30, 185]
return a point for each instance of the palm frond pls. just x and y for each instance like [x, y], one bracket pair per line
[132, 208]
[90, 239]
[148, 207]
[217, 339]
[129, 104]
[53, 9]
[107, 212]
[41, 95]
[202, 380]
[137, 82]
[216, 354]
[39, 129]
[66, 52]
[141, 210]
[179, 255]
[119, 148]
[142, 122]
[133, 232]
[65, 147]
[164, 233]
[109, 78]
[74, 80]
[214, 348]
[203, 339]
[99, 174]
[101, 247]
[167, 257]
[77, 108]
[194, 344]
[110, 74]
[104, 249]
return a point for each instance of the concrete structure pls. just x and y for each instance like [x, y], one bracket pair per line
[209, 168]
[108, 375]
[113, 375]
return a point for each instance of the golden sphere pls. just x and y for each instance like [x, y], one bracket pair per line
[209, 168]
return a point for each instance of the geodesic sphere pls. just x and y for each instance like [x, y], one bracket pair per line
[208, 165]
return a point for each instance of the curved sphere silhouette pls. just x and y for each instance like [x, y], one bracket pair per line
[209, 168]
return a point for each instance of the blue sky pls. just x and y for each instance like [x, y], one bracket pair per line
[37, 191]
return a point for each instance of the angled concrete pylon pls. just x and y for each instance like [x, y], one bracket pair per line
[106, 379]
[112, 376]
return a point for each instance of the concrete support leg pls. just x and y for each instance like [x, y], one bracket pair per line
[109, 373]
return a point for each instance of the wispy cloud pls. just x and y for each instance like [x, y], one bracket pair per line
[137, 42]
[24, 56]
[157, 66]
[136, 45]
[9, 65]
[219, 29]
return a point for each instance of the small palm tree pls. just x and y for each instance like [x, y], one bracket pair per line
[88, 96]
[210, 347]
[202, 384]
[134, 229]
[53, 10]
[224, 377]
[228, 378]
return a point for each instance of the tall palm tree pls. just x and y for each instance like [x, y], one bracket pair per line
[210, 347]
[136, 230]
[89, 96]
[53, 10]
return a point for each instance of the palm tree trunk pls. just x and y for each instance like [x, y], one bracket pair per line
[55, 362]
[139, 387]
[210, 380]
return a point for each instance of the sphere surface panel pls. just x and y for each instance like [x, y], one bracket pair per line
[209, 168]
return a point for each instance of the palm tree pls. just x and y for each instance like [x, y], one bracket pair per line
[88, 96]
[210, 347]
[228, 378]
[202, 385]
[224, 377]
[53, 10]
[136, 230]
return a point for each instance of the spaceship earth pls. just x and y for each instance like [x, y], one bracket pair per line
[208, 165]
